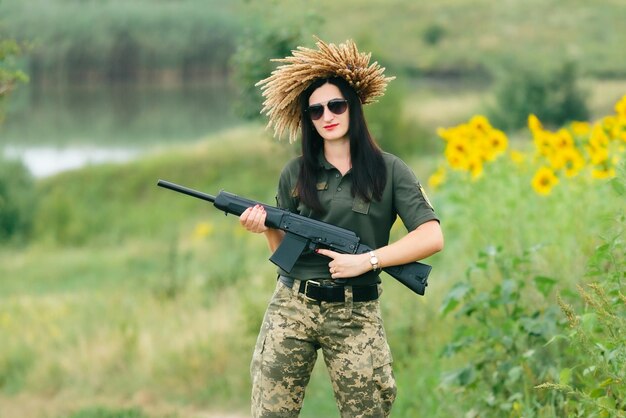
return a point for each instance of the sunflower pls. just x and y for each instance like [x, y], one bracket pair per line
[534, 124]
[437, 178]
[544, 180]
[573, 161]
[603, 172]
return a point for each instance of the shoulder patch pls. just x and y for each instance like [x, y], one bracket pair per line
[425, 196]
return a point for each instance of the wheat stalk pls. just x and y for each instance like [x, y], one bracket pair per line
[283, 87]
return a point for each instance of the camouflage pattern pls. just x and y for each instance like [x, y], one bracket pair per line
[353, 344]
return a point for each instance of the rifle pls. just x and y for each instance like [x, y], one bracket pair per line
[305, 233]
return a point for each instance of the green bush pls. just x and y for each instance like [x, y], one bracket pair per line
[503, 326]
[433, 34]
[554, 96]
[262, 40]
[17, 200]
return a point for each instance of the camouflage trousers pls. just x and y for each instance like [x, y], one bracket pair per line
[354, 348]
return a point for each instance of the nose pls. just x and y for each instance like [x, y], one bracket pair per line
[328, 115]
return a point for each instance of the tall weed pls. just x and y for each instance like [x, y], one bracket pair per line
[593, 378]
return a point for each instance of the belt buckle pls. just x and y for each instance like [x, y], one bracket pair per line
[306, 289]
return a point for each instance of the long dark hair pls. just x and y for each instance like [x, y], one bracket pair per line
[368, 169]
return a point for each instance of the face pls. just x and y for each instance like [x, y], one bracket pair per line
[330, 126]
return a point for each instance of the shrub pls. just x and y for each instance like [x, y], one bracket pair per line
[259, 44]
[503, 327]
[554, 96]
[434, 33]
[17, 200]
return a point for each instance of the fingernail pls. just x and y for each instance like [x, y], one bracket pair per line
[317, 250]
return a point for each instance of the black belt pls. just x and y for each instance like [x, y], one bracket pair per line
[322, 293]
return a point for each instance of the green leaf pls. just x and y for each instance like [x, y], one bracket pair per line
[508, 290]
[533, 326]
[565, 376]
[529, 353]
[618, 186]
[588, 321]
[454, 297]
[606, 382]
[557, 337]
[467, 376]
[607, 402]
[589, 370]
[452, 348]
[459, 377]
[596, 393]
[514, 375]
[544, 284]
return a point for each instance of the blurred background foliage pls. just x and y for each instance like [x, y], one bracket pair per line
[118, 299]
[114, 38]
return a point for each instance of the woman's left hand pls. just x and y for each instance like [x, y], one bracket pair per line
[344, 266]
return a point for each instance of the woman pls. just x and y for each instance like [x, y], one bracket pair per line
[330, 300]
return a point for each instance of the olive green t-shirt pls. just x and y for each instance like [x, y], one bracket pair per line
[403, 196]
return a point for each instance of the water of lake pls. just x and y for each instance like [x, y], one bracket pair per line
[59, 128]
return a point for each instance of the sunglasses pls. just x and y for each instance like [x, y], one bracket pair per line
[337, 106]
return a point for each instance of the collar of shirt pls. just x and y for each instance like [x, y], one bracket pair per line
[323, 162]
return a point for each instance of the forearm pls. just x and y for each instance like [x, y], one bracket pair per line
[274, 238]
[422, 242]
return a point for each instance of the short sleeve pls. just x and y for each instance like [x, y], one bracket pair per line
[410, 200]
[286, 197]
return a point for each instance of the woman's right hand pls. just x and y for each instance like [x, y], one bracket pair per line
[253, 219]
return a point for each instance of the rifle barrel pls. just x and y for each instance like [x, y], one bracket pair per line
[186, 190]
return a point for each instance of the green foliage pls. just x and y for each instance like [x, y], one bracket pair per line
[263, 38]
[9, 74]
[594, 377]
[554, 96]
[503, 323]
[433, 34]
[251, 63]
[121, 40]
[17, 200]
